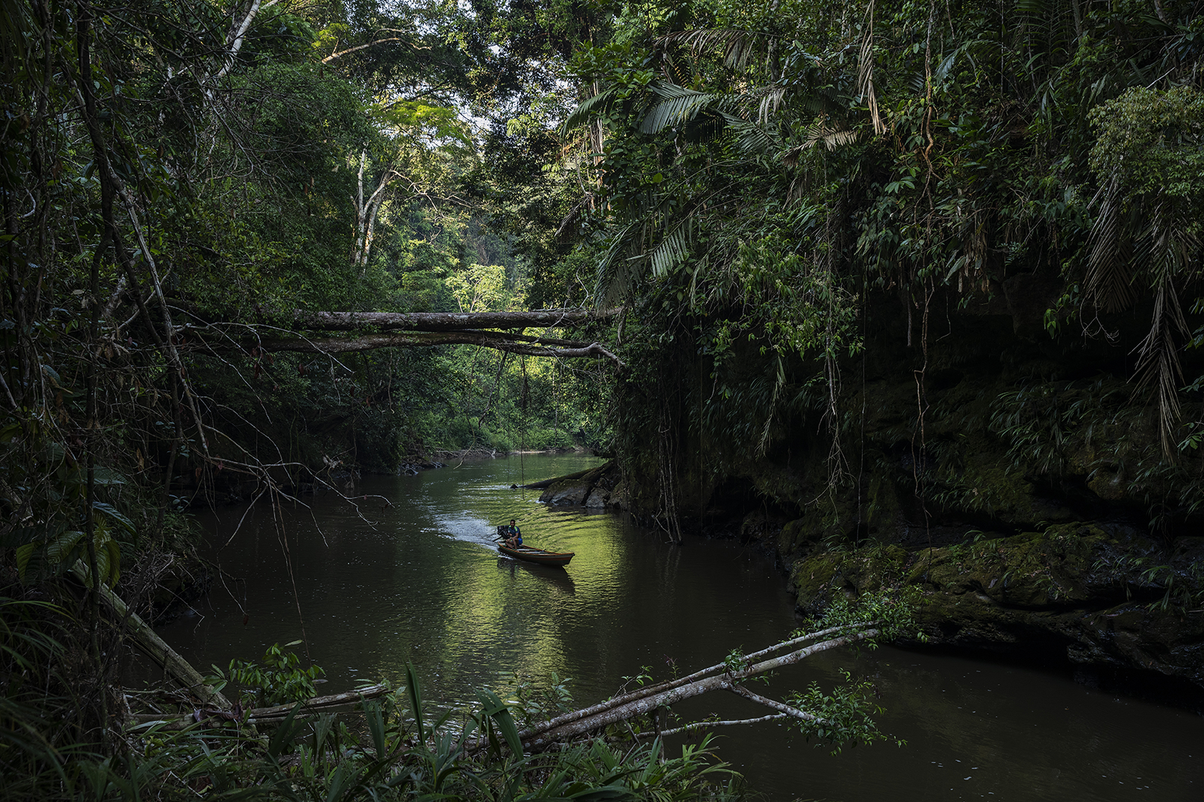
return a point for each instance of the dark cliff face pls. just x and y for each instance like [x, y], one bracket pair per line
[969, 427]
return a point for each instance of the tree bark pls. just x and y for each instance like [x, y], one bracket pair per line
[447, 321]
[275, 713]
[368, 342]
[366, 331]
[644, 701]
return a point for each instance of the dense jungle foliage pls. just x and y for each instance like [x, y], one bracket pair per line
[875, 243]
[910, 259]
[178, 179]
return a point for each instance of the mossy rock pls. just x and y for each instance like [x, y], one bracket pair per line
[1105, 599]
[576, 488]
[1034, 570]
[799, 537]
[815, 579]
[862, 570]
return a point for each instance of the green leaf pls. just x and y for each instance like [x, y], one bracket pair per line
[597, 104]
[496, 709]
[24, 555]
[286, 733]
[375, 721]
[415, 696]
[124, 523]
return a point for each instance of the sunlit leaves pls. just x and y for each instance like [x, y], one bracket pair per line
[435, 124]
[482, 288]
[1152, 141]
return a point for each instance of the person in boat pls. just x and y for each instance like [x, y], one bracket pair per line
[513, 535]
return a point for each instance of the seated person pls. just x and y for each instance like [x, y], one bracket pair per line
[513, 535]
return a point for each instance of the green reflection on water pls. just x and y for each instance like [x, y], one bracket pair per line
[421, 581]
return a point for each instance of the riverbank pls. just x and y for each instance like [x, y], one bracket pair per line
[421, 582]
[1099, 601]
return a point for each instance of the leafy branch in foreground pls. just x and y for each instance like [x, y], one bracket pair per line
[394, 746]
[397, 747]
[839, 718]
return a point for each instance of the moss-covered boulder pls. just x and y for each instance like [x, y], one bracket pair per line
[1076, 590]
[591, 488]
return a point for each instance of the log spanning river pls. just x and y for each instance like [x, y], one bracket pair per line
[418, 580]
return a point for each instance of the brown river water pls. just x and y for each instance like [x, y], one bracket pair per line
[418, 580]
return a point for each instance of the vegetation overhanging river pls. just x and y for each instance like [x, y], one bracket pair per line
[418, 580]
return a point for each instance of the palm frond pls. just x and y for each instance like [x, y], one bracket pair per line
[588, 108]
[615, 276]
[771, 99]
[673, 248]
[778, 383]
[677, 105]
[739, 46]
[751, 138]
[865, 72]
[831, 136]
[1158, 362]
[966, 50]
[819, 131]
[1109, 269]
[1166, 249]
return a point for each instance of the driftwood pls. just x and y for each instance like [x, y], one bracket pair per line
[318, 703]
[726, 676]
[154, 646]
[262, 715]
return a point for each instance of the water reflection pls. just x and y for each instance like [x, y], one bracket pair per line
[554, 577]
[421, 581]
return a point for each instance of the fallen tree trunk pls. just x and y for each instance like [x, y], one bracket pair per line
[154, 646]
[514, 344]
[264, 715]
[728, 675]
[448, 321]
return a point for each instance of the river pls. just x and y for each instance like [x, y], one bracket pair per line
[409, 573]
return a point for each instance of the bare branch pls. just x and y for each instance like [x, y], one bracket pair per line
[340, 53]
[645, 700]
[484, 339]
[448, 321]
[238, 33]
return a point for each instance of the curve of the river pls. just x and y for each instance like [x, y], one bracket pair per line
[409, 573]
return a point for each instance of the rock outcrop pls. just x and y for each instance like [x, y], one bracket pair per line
[1103, 600]
[596, 488]
[1110, 604]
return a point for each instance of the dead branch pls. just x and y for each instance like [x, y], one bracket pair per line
[447, 321]
[266, 715]
[485, 339]
[703, 726]
[722, 676]
[150, 643]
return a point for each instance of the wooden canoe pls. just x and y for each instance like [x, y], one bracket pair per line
[537, 556]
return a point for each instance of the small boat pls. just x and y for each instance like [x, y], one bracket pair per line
[537, 556]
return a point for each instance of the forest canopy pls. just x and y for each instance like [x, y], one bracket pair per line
[764, 214]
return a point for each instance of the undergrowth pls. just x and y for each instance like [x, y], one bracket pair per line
[392, 748]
